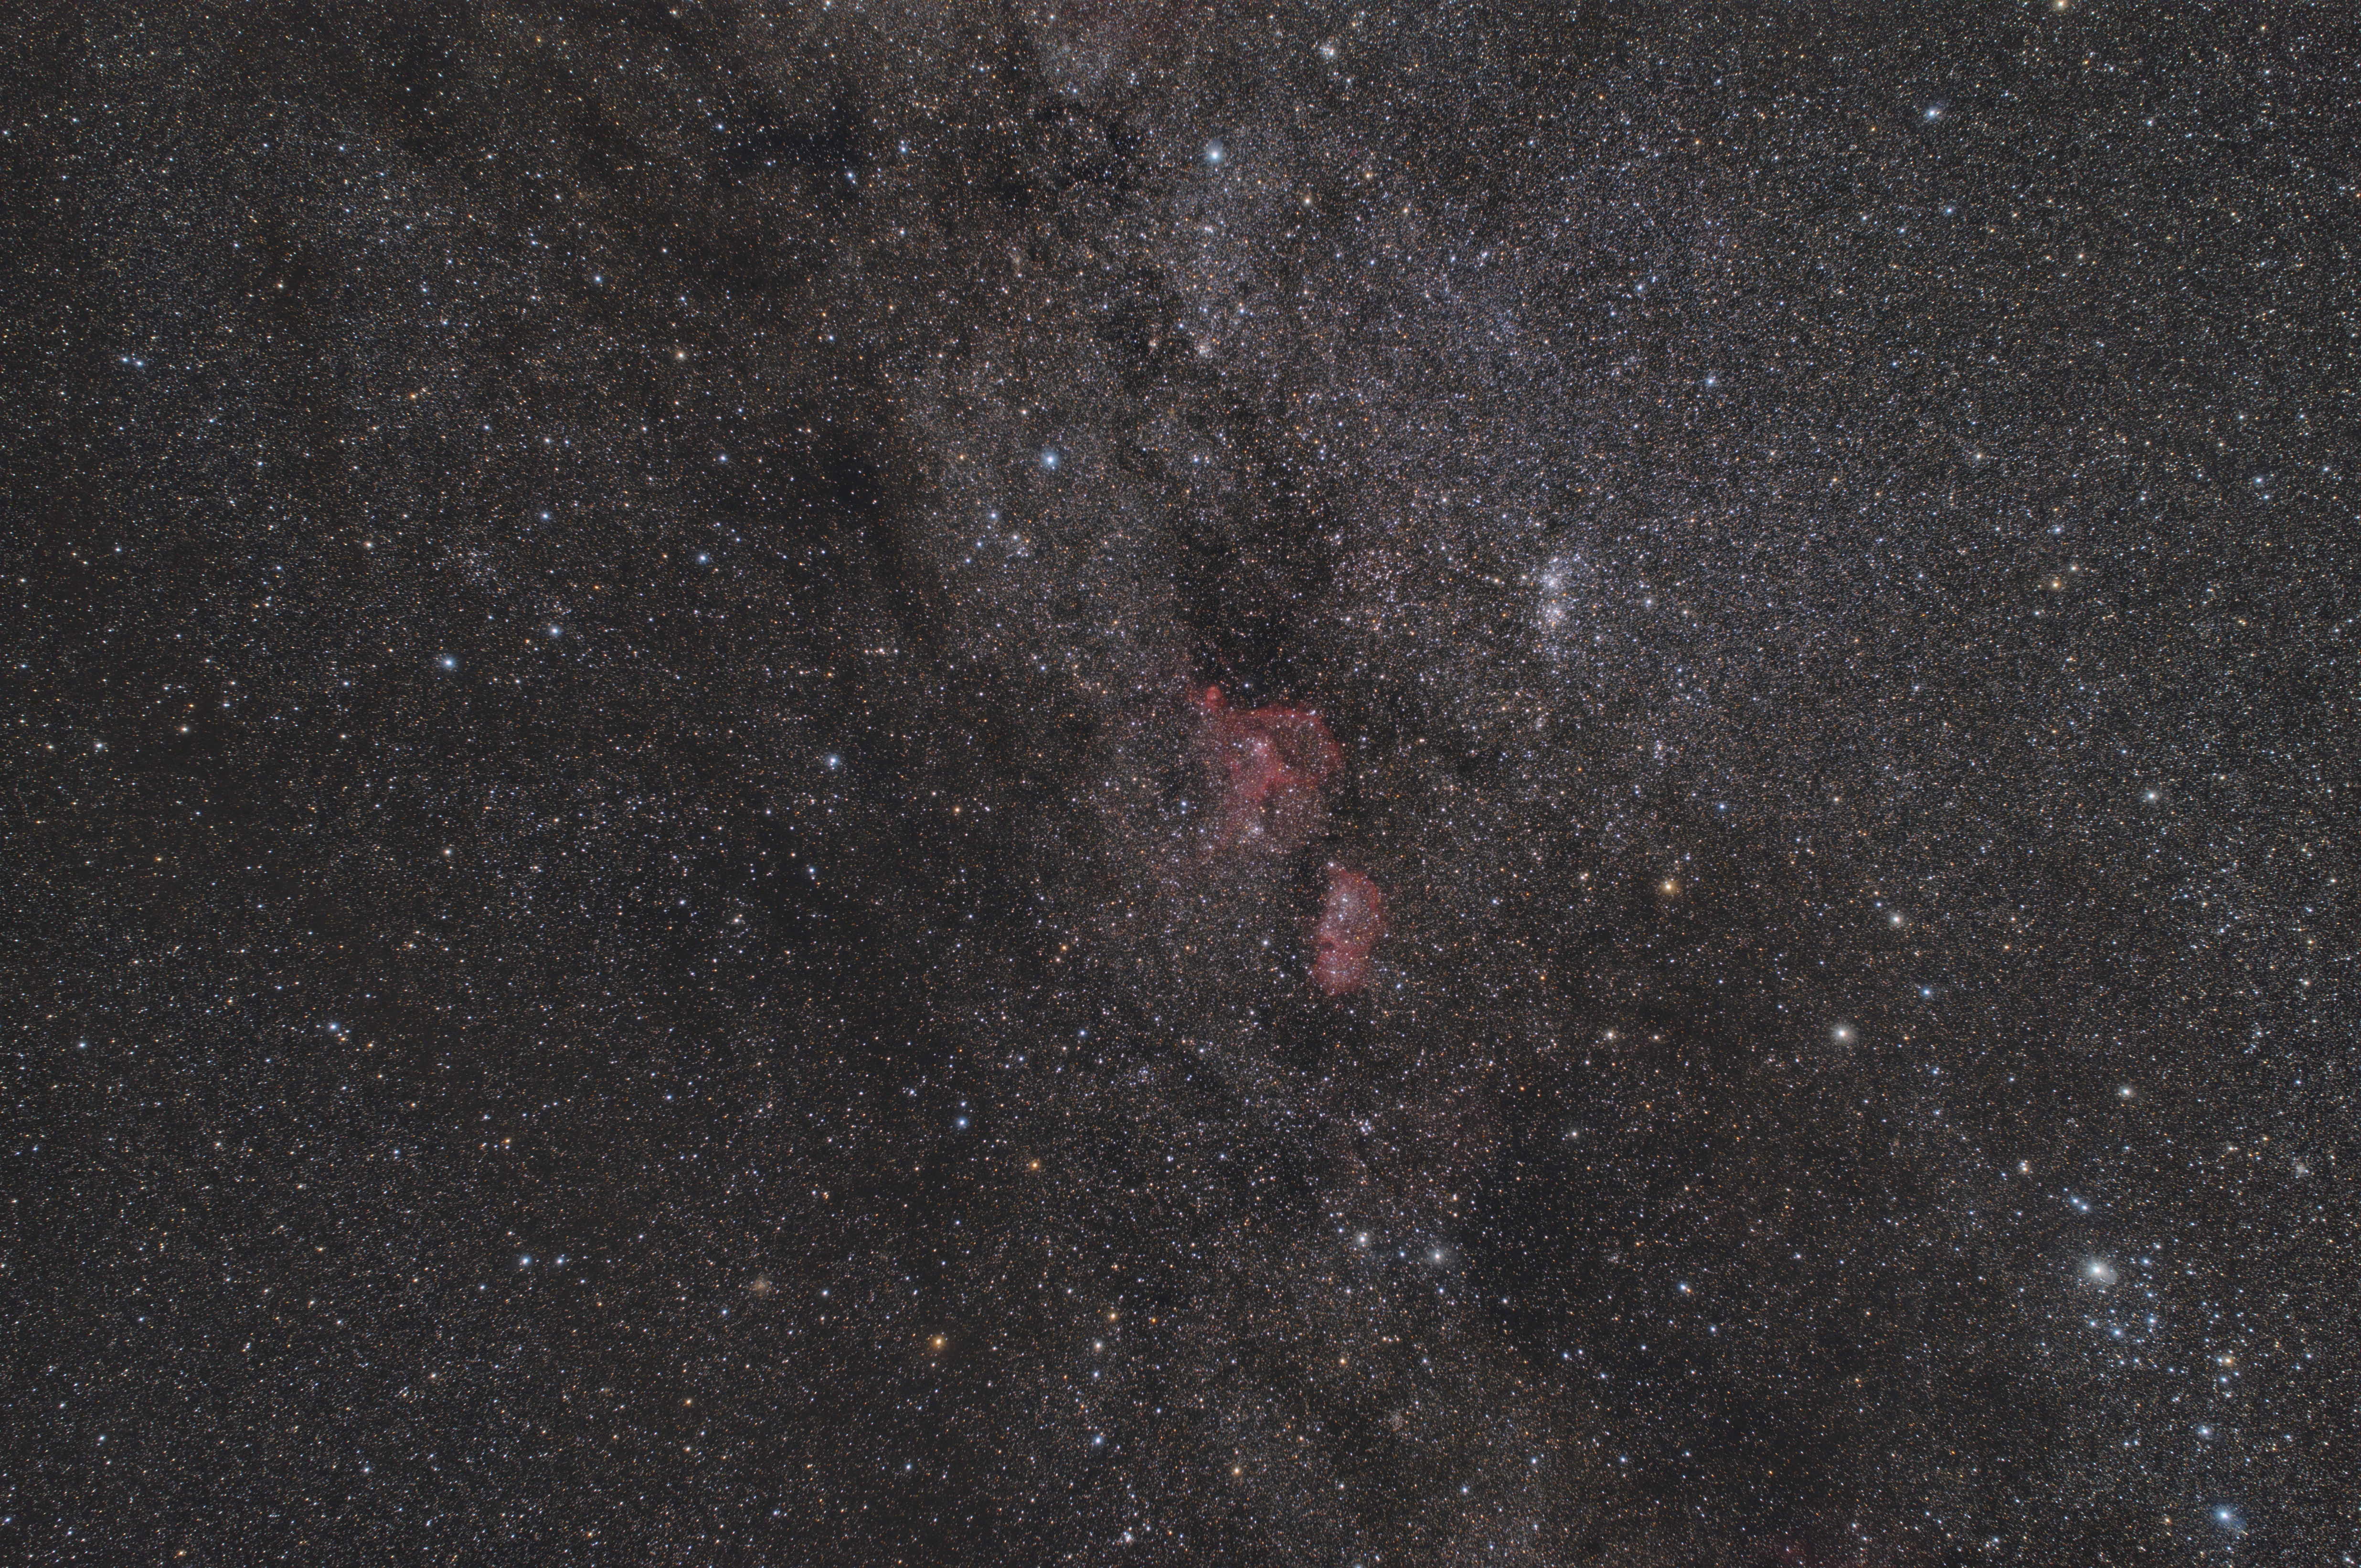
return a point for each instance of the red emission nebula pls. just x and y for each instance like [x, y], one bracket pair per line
[1275, 762]
[1352, 918]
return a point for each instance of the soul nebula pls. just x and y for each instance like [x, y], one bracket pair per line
[1352, 918]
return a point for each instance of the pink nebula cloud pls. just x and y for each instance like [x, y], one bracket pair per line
[1352, 918]
[1275, 759]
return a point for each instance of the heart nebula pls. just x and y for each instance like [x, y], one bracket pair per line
[1276, 759]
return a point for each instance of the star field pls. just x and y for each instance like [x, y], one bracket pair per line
[871, 781]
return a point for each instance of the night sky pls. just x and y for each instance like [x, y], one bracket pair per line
[908, 782]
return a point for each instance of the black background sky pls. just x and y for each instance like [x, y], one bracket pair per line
[624, 942]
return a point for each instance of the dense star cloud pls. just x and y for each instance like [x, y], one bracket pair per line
[873, 781]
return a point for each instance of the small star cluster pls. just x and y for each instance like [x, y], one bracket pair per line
[871, 782]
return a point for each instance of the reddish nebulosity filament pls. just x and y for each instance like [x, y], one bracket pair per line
[1276, 759]
[1274, 762]
[1352, 918]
